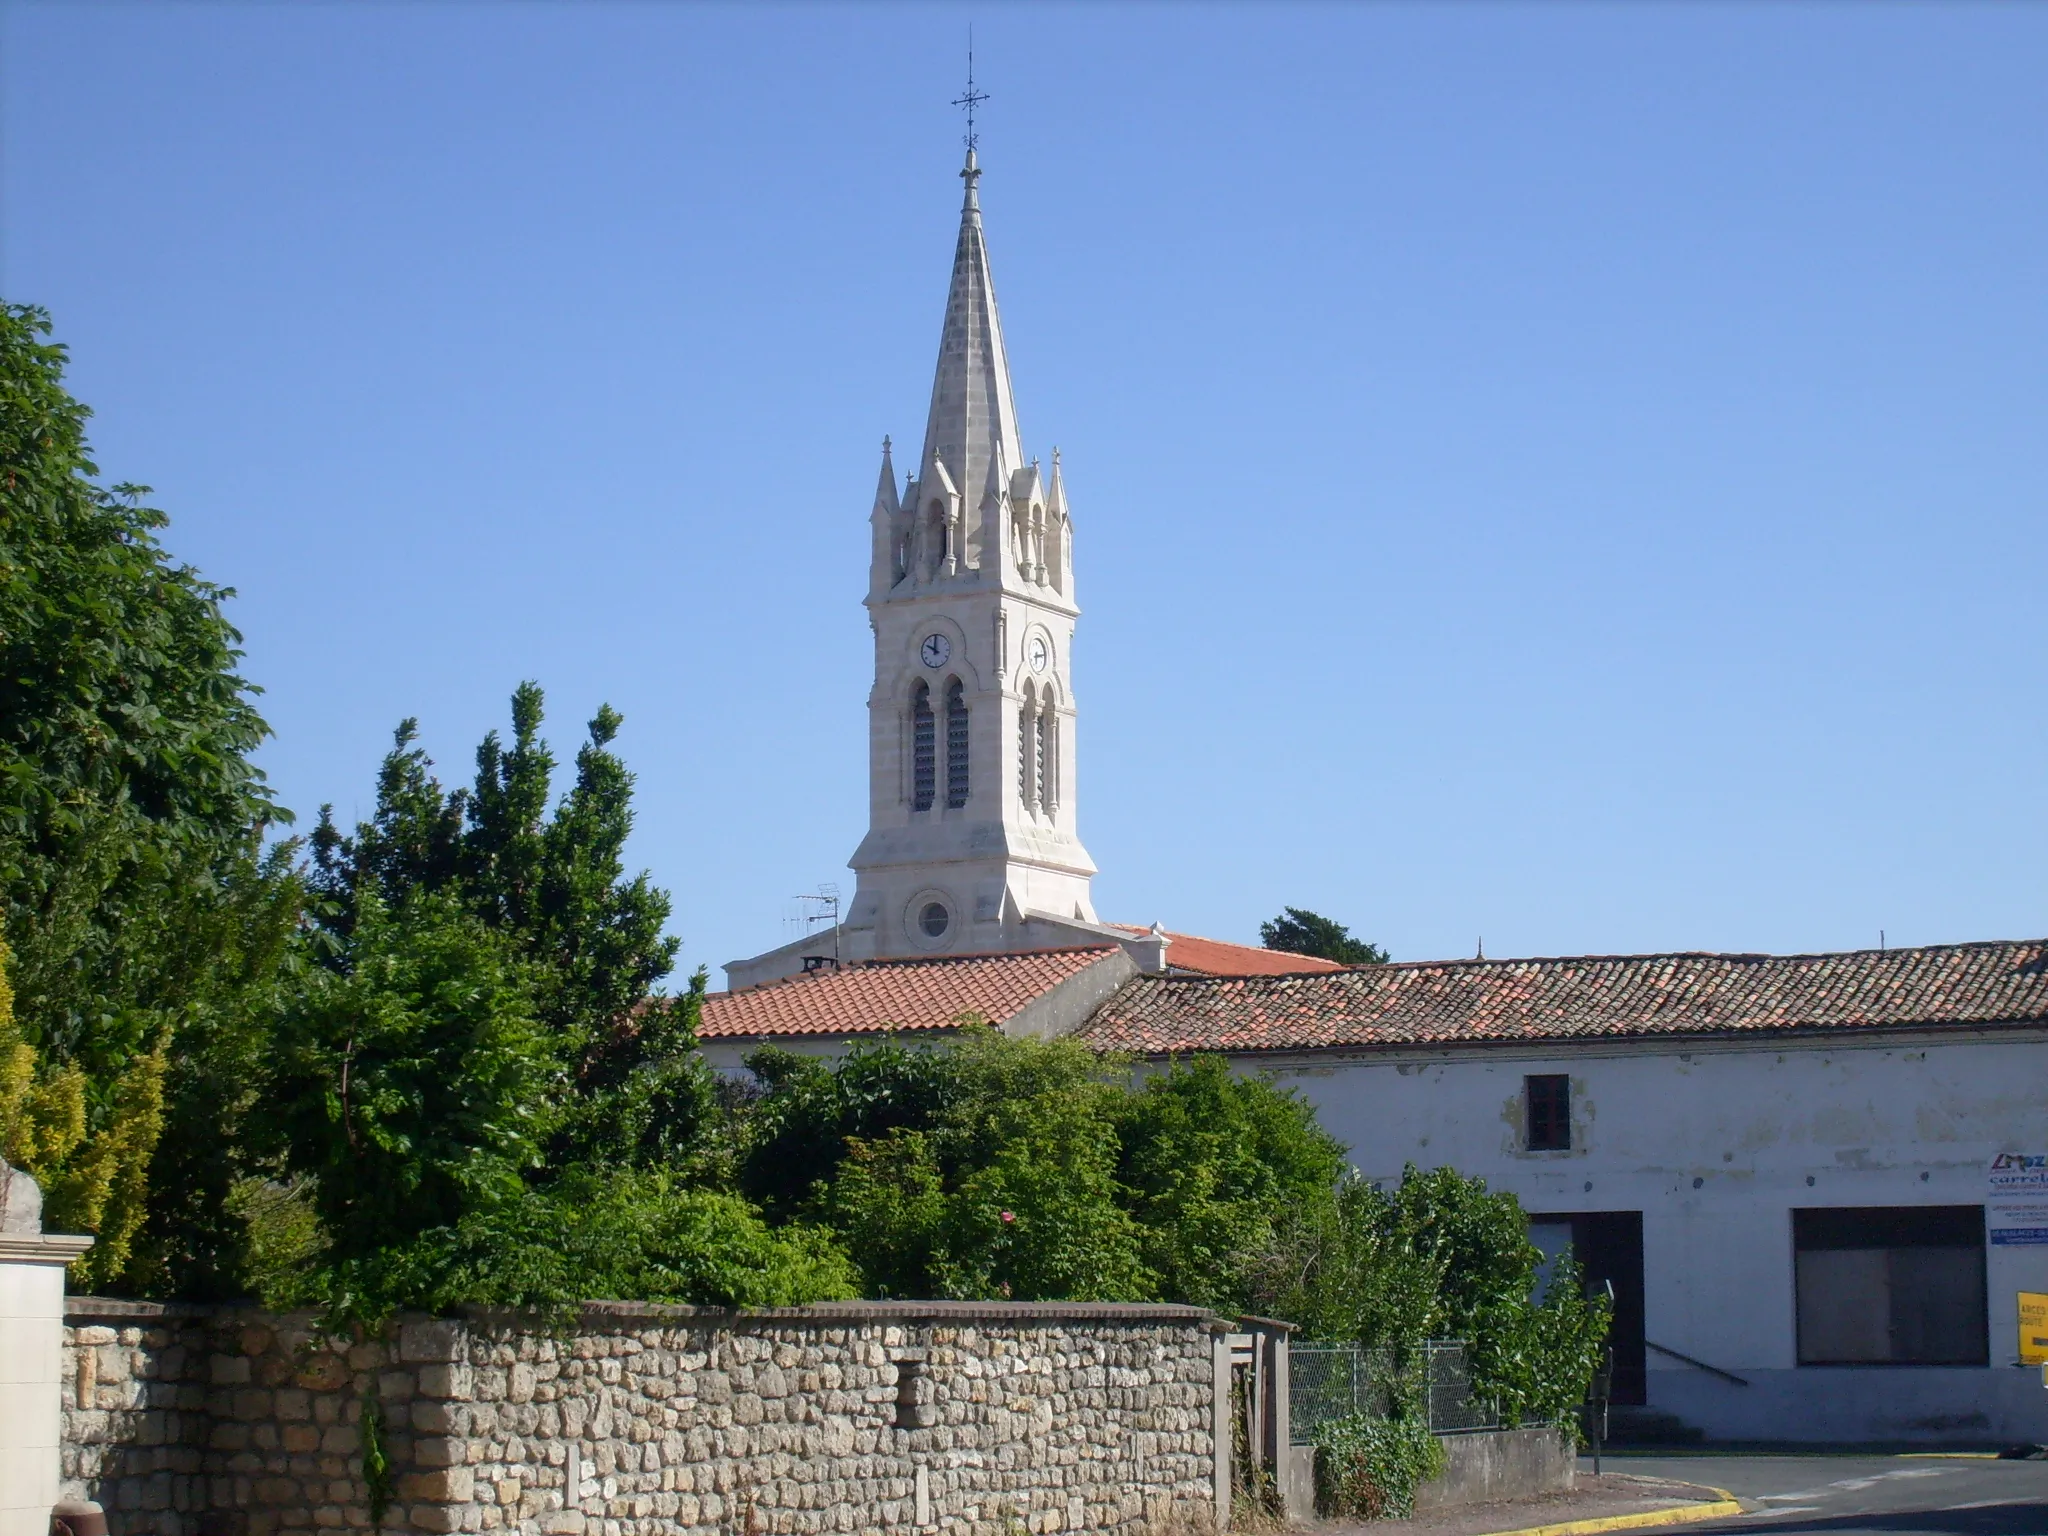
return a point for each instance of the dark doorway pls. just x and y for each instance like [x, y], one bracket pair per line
[1609, 1247]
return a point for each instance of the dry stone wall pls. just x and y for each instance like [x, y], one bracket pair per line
[946, 1418]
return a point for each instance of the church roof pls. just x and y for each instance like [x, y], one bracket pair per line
[1593, 997]
[972, 428]
[875, 996]
[1216, 957]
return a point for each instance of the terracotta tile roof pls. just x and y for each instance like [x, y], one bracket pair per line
[1215, 957]
[880, 995]
[1580, 998]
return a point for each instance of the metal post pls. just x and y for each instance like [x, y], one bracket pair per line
[1603, 1383]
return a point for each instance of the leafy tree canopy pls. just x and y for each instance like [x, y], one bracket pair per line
[1214, 1164]
[477, 1091]
[418, 1093]
[1300, 932]
[120, 693]
[1440, 1257]
[550, 880]
[146, 922]
[1035, 1169]
[986, 1169]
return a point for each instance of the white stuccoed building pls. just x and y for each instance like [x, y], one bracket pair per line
[1813, 1180]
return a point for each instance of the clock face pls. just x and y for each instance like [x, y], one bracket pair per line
[1040, 654]
[935, 650]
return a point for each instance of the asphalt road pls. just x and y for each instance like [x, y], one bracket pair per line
[1864, 1495]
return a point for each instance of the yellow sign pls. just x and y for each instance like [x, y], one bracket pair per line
[2034, 1329]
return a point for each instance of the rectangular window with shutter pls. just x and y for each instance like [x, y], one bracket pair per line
[1891, 1285]
[1547, 1106]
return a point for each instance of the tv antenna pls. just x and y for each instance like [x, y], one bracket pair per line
[824, 909]
[970, 98]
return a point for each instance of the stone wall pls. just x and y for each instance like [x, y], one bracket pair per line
[966, 1419]
[179, 1419]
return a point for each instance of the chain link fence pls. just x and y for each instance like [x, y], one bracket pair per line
[1447, 1375]
[1334, 1381]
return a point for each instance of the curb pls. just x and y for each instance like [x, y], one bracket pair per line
[1679, 1514]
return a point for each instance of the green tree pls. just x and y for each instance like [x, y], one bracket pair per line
[990, 1167]
[987, 1168]
[131, 821]
[1344, 1268]
[1215, 1166]
[476, 1091]
[812, 1111]
[1037, 1211]
[551, 880]
[1532, 1355]
[1440, 1257]
[1300, 932]
[415, 1088]
[417, 1093]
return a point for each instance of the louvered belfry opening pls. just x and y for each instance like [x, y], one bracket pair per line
[1025, 787]
[956, 745]
[924, 753]
[1049, 758]
[1038, 745]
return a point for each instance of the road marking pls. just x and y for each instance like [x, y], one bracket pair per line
[1857, 1484]
[1681, 1514]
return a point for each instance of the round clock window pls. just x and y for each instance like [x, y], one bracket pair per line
[1041, 653]
[934, 919]
[935, 650]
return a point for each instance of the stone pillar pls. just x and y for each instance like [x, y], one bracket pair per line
[1220, 1428]
[31, 1354]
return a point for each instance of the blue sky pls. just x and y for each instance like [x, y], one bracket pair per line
[1567, 475]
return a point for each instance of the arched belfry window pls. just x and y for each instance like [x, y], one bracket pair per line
[956, 745]
[924, 754]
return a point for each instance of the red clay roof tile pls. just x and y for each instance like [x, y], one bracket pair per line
[872, 996]
[1579, 998]
[1216, 957]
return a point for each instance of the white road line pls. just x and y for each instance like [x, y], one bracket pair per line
[1857, 1484]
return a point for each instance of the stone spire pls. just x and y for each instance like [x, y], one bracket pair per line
[885, 486]
[972, 429]
[886, 567]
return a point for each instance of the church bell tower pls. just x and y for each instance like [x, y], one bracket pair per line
[971, 841]
[971, 844]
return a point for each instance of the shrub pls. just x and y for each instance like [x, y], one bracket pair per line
[1369, 1468]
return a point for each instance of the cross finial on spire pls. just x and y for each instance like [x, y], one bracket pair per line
[971, 98]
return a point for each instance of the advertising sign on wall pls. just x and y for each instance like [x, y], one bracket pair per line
[2033, 1329]
[2016, 1199]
